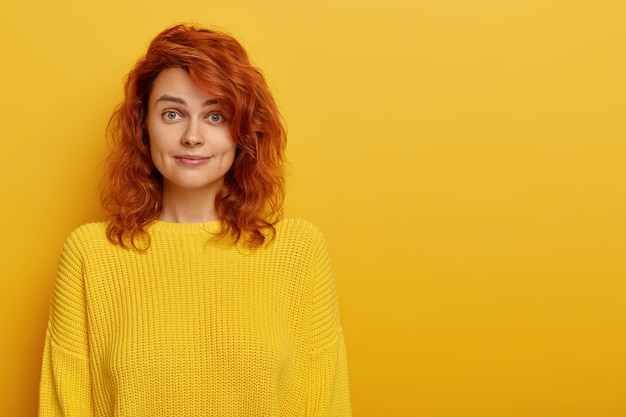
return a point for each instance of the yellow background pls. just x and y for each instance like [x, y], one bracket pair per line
[466, 160]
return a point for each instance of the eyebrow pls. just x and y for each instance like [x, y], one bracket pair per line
[179, 100]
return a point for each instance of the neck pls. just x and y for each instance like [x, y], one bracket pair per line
[188, 206]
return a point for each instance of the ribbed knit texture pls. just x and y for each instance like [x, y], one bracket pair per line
[194, 327]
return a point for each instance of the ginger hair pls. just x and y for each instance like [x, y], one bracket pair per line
[250, 202]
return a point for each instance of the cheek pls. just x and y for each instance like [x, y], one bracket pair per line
[157, 139]
[156, 161]
[158, 150]
[157, 132]
[229, 157]
[227, 145]
[153, 146]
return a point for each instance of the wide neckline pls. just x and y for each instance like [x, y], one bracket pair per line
[209, 226]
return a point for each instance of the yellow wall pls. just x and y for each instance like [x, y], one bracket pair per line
[466, 160]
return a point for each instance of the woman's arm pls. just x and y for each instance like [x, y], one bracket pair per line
[329, 392]
[65, 386]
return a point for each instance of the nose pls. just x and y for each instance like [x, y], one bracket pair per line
[192, 136]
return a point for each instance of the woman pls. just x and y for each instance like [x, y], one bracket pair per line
[195, 298]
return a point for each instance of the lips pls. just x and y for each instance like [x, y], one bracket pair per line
[192, 160]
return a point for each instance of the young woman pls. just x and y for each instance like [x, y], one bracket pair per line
[195, 298]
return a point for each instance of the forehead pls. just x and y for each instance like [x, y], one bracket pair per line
[176, 82]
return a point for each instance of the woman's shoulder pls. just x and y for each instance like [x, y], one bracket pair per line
[299, 231]
[298, 227]
[91, 229]
[94, 232]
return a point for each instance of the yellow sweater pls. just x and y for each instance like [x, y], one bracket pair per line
[194, 327]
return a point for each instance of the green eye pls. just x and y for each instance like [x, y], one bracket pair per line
[170, 115]
[216, 118]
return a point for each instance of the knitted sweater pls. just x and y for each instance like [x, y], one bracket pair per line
[194, 327]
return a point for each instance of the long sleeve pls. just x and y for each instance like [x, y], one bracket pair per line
[65, 388]
[329, 392]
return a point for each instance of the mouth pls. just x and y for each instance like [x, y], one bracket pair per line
[192, 160]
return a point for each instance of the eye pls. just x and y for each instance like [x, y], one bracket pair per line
[170, 115]
[216, 118]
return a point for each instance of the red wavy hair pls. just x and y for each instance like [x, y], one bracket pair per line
[250, 202]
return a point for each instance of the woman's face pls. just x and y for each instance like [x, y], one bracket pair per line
[190, 140]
